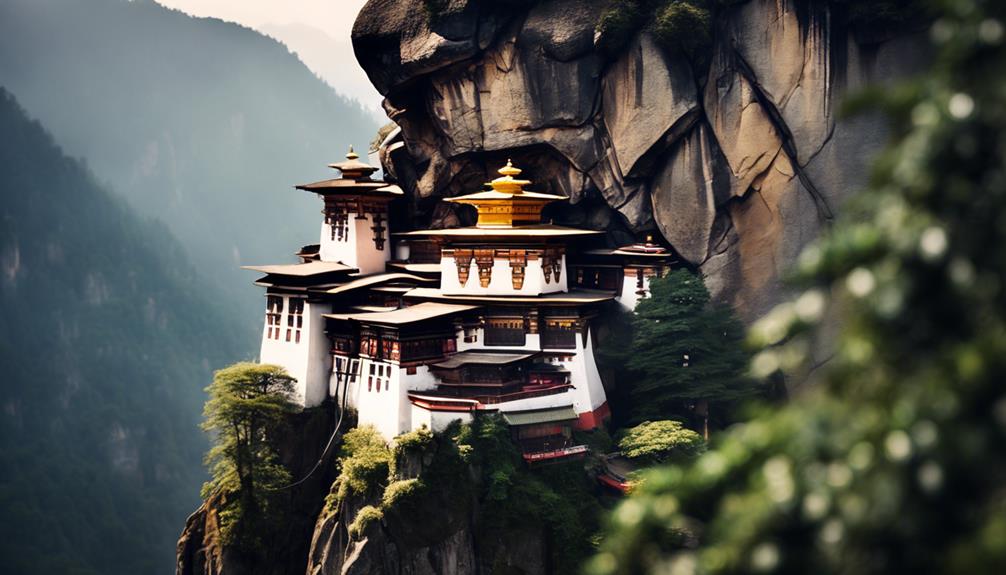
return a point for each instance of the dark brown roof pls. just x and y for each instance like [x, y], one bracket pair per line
[483, 357]
[302, 270]
[405, 315]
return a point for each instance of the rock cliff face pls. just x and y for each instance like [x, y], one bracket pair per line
[737, 164]
[441, 532]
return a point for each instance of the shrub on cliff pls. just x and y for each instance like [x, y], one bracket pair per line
[248, 401]
[658, 441]
[365, 463]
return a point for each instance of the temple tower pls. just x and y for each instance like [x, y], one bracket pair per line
[355, 228]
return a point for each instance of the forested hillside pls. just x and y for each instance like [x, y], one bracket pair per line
[201, 123]
[107, 338]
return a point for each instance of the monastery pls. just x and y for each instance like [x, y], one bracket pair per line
[421, 328]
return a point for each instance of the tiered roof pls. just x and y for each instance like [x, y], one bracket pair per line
[506, 212]
[354, 180]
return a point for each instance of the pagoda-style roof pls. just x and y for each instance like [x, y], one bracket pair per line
[302, 270]
[508, 204]
[376, 280]
[305, 276]
[540, 231]
[572, 297]
[483, 357]
[406, 315]
[534, 416]
[354, 180]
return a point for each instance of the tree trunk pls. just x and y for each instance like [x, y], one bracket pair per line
[702, 408]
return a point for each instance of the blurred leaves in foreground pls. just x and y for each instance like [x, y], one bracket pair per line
[895, 460]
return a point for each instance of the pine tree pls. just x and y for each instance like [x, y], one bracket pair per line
[248, 402]
[685, 349]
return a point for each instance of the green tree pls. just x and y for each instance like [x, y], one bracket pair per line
[895, 462]
[685, 349]
[248, 402]
[659, 441]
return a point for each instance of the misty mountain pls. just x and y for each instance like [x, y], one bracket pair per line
[332, 60]
[107, 338]
[201, 123]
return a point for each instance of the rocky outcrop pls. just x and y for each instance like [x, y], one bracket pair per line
[439, 529]
[201, 549]
[737, 162]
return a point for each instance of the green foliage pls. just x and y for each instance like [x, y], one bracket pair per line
[619, 22]
[402, 490]
[683, 348]
[364, 517]
[365, 463]
[247, 404]
[686, 26]
[654, 441]
[514, 497]
[107, 337]
[895, 461]
[413, 441]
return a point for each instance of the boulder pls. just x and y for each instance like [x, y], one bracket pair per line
[686, 192]
[646, 94]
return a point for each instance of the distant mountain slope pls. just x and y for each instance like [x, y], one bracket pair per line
[204, 124]
[107, 337]
[331, 59]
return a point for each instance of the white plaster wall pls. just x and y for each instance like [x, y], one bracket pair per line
[629, 298]
[357, 247]
[437, 420]
[501, 282]
[588, 391]
[309, 360]
[382, 409]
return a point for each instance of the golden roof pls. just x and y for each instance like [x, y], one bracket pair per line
[507, 204]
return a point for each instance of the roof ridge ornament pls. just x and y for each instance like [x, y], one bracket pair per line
[352, 168]
[506, 183]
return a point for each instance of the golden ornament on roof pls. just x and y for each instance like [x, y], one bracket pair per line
[506, 183]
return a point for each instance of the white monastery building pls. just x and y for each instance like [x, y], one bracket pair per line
[496, 317]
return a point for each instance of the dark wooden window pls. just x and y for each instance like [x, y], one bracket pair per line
[273, 312]
[295, 320]
[505, 331]
[559, 334]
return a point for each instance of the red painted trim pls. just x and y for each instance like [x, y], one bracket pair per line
[593, 419]
[613, 483]
[545, 455]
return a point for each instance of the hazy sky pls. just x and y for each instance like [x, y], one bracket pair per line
[335, 17]
[316, 30]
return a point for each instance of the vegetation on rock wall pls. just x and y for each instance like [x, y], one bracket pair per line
[687, 25]
[439, 479]
[895, 462]
[248, 402]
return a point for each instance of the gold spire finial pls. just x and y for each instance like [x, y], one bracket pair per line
[352, 155]
[506, 182]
